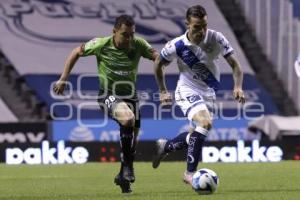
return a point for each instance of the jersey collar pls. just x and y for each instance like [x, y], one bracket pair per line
[188, 43]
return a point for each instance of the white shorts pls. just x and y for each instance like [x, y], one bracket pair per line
[192, 100]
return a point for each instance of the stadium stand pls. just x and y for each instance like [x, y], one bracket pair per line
[18, 96]
[6, 114]
[257, 25]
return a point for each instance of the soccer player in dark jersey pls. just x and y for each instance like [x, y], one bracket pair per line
[117, 56]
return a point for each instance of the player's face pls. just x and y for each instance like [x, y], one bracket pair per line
[197, 29]
[123, 36]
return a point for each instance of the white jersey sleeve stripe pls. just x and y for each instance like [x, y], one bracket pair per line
[168, 52]
[164, 56]
[226, 48]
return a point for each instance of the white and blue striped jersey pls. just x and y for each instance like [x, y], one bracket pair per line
[297, 66]
[196, 63]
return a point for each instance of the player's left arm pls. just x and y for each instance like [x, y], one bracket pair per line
[147, 51]
[237, 73]
[155, 54]
[228, 53]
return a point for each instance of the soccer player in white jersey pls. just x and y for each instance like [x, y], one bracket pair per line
[195, 52]
[297, 66]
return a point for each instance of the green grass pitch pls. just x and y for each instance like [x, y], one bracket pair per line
[95, 181]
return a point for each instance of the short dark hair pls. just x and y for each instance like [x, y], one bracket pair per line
[195, 11]
[124, 19]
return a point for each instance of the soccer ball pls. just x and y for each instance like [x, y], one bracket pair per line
[205, 181]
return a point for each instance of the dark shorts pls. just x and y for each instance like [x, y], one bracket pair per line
[108, 102]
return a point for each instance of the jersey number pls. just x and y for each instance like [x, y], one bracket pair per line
[109, 101]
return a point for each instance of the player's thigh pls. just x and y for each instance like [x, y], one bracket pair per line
[194, 106]
[203, 118]
[123, 114]
[117, 109]
[189, 100]
[133, 104]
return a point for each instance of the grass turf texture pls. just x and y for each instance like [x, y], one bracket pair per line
[95, 181]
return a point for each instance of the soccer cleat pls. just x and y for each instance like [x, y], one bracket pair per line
[188, 177]
[124, 185]
[160, 153]
[128, 174]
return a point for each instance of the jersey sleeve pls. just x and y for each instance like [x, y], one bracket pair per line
[145, 48]
[92, 47]
[168, 53]
[224, 45]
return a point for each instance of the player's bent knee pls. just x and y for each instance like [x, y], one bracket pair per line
[128, 121]
[204, 123]
[201, 130]
[124, 115]
[207, 124]
[200, 133]
[203, 119]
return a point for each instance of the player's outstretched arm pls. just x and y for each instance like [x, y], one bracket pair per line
[59, 86]
[237, 73]
[159, 65]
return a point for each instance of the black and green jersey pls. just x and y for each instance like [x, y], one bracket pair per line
[117, 68]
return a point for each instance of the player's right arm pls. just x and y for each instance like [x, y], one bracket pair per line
[59, 86]
[159, 65]
[166, 56]
[92, 47]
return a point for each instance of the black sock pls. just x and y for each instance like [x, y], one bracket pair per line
[126, 141]
[133, 148]
[194, 149]
[177, 143]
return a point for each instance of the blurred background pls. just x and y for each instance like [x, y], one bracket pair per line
[36, 36]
